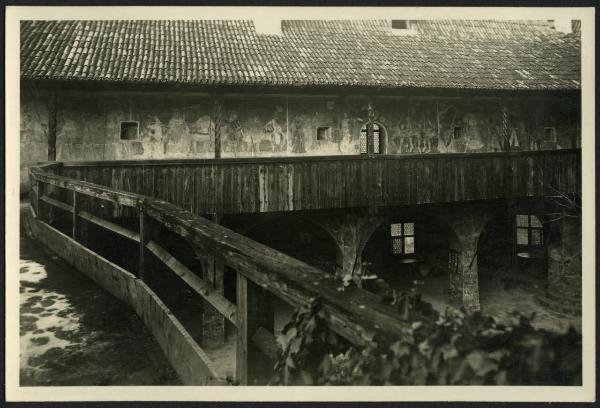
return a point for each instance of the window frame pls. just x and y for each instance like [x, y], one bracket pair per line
[326, 129]
[370, 145]
[461, 133]
[137, 130]
[402, 237]
[529, 228]
[553, 132]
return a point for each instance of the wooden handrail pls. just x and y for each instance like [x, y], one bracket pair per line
[354, 313]
[93, 190]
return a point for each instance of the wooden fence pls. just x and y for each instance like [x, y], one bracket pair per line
[231, 186]
[354, 313]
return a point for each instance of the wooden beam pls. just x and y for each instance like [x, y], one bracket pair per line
[75, 219]
[218, 301]
[353, 313]
[243, 314]
[89, 189]
[144, 237]
[56, 203]
[117, 229]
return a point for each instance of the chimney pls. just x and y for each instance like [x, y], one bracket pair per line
[265, 25]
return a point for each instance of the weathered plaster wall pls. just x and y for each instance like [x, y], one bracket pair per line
[184, 125]
[88, 126]
[34, 130]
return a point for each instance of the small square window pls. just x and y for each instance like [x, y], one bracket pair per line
[400, 24]
[129, 130]
[458, 132]
[323, 133]
[549, 134]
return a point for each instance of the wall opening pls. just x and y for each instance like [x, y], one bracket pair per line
[323, 132]
[130, 130]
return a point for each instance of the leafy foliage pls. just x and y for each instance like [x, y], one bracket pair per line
[454, 348]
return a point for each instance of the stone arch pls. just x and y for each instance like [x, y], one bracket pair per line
[434, 239]
[289, 225]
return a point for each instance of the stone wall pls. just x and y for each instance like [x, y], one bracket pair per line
[182, 125]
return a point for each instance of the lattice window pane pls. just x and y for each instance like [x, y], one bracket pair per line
[409, 228]
[522, 236]
[396, 230]
[376, 143]
[409, 245]
[397, 246]
[522, 220]
[536, 237]
[535, 221]
[363, 140]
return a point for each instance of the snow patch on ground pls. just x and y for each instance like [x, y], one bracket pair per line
[42, 312]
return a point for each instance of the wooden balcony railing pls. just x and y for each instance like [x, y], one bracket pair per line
[354, 313]
[253, 185]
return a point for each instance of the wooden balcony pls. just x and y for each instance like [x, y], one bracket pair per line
[251, 185]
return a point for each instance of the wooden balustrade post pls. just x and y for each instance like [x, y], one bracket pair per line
[254, 312]
[244, 328]
[75, 216]
[40, 204]
[144, 237]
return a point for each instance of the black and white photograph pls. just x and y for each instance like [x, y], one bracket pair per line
[236, 197]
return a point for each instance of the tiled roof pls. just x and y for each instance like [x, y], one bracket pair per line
[439, 54]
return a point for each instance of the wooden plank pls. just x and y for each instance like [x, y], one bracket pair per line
[56, 203]
[241, 349]
[218, 301]
[144, 238]
[75, 219]
[117, 229]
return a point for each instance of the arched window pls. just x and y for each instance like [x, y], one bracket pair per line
[375, 144]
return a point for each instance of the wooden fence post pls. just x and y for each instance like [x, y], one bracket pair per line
[254, 312]
[75, 216]
[40, 204]
[243, 329]
[144, 236]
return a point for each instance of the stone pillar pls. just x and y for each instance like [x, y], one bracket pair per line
[213, 273]
[351, 231]
[213, 323]
[563, 293]
[467, 221]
